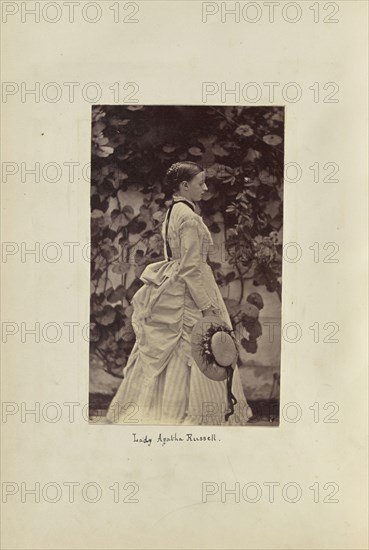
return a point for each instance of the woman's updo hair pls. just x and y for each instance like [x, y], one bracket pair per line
[178, 172]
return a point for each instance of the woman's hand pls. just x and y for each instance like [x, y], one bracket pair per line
[211, 311]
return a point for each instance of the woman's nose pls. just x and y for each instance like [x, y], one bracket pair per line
[205, 187]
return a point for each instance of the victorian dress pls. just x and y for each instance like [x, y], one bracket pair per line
[162, 383]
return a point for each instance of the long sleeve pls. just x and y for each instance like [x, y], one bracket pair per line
[191, 258]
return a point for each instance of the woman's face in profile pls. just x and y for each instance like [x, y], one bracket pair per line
[196, 187]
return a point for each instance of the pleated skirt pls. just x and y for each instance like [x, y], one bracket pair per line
[162, 383]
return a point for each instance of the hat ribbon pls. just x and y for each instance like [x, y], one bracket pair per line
[232, 401]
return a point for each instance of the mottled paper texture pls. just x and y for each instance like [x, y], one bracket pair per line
[67, 483]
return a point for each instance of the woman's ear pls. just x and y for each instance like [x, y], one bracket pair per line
[184, 184]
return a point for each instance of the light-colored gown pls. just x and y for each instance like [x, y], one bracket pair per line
[162, 383]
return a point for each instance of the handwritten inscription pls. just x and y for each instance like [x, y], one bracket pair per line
[162, 439]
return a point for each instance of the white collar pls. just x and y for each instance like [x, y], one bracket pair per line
[180, 197]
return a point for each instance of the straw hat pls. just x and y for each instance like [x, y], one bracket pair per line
[213, 347]
[215, 351]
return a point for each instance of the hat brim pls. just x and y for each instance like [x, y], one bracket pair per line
[212, 371]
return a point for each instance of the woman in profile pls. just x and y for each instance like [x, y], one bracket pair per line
[162, 383]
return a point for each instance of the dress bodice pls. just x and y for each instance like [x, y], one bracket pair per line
[182, 218]
[190, 241]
